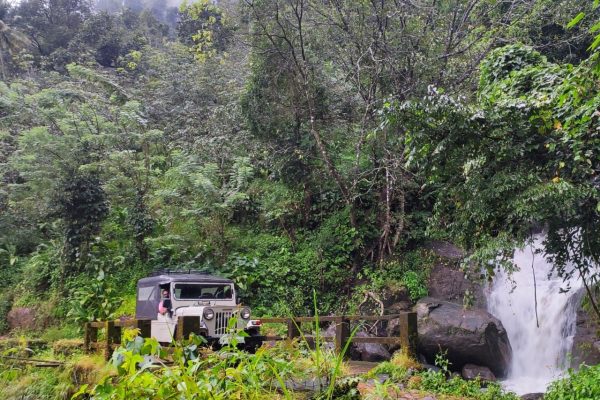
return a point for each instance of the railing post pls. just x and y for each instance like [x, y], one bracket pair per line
[409, 335]
[90, 337]
[145, 327]
[113, 336]
[342, 333]
[185, 326]
[293, 330]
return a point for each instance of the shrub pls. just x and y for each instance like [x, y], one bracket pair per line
[438, 382]
[406, 371]
[127, 307]
[580, 385]
[96, 300]
[6, 301]
[410, 273]
[416, 285]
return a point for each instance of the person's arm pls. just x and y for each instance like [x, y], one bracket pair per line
[161, 309]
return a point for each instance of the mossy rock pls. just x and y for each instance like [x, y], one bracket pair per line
[67, 347]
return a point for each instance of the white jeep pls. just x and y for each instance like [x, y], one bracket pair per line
[210, 298]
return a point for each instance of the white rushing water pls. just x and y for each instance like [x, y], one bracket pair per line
[540, 353]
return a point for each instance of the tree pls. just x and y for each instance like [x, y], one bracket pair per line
[50, 24]
[521, 157]
[323, 70]
[11, 42]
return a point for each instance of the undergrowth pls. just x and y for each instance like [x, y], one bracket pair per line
[581, 385]
[229, 373]
[404, 373]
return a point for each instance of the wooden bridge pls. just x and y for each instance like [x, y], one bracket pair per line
[407, 339]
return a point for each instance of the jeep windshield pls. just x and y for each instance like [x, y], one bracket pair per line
[197, 291]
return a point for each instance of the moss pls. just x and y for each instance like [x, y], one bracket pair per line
[67, 347]
[88, 369]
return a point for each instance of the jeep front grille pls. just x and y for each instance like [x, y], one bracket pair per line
[222, 321]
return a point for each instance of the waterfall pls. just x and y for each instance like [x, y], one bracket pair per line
[540, 353]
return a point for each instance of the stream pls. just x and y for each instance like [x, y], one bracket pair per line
[541, 344]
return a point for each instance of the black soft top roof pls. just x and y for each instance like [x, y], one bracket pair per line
[168, 277]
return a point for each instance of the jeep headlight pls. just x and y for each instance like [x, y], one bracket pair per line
[245, 313]
[208, 314]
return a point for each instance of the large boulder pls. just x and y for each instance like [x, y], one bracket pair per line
[447, 281]
[445, 249]
[22, 318]
[373, 352]
[585, 350]
[471, 371]
[470, 336]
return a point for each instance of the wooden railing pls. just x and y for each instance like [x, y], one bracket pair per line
[407, 339]
[112, 334]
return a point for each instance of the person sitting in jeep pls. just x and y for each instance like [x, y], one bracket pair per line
[164, 306]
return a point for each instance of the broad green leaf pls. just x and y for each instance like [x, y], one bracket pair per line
[575, 20]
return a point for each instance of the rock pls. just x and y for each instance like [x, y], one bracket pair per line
[392, 327]
[447, 282]
[533, 396]
[398, 307]
[586, 348]
[445, 249]
[330, 331]
[430, 367]
[393, 294]
[22, 318]
[471, 336]
[471, 371]
[373, 352]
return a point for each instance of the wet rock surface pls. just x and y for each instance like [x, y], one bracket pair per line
[372, 352]
[445, 249]
[447, 281]
[471, 336]
[586, 348]
[533, 396]
[471, 371]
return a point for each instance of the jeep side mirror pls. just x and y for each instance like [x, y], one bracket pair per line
[238, 300]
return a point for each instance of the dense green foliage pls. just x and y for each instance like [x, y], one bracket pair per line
[150, 137]
[131, 143]
[268, 374]
[580, 385]
[522, 158]
[405, 372]
[292, 145]
[227, 373]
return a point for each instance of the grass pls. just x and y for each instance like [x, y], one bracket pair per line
[26, 382]
[66, 331]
